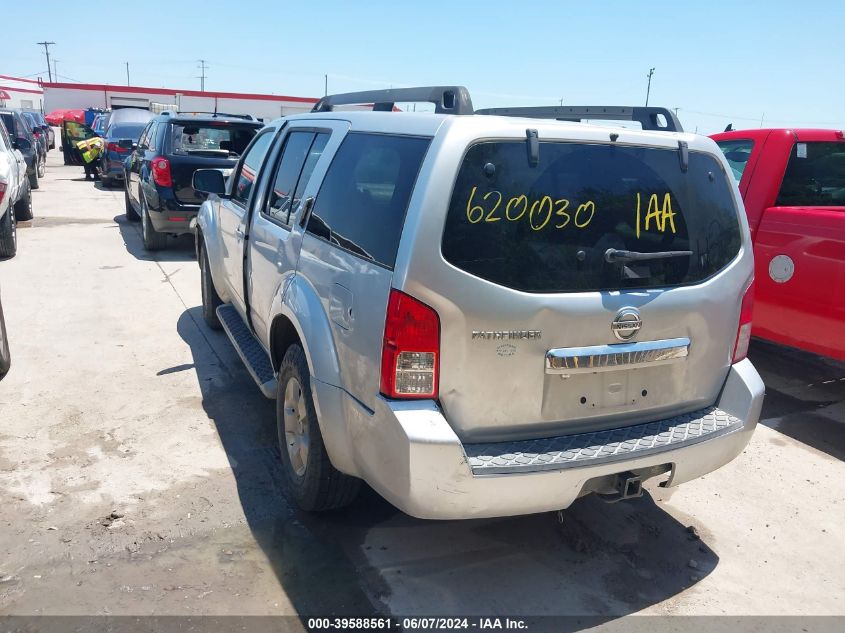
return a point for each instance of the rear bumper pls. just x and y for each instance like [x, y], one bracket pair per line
[172, 216]
[408, 452]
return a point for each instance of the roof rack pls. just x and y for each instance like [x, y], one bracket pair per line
[646, 116]
[446, 99]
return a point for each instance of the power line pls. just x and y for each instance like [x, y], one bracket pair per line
[47, 46]
[202, 67]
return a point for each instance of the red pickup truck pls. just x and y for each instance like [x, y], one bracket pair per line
[793, 185]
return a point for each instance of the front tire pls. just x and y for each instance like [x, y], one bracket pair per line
[8, 234]
[41, 169]
[210, 299]
[153, 240]
[23, 207]
[310, 479]
[33, 179]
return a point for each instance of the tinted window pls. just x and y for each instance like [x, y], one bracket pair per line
[294, 154]
[314, 154]
[815, 176]
[362, 202]
[151, 143]
[250, 166]
[737, 153]
[126, 130]
[548, 228]
[9, 121]
[210, 138]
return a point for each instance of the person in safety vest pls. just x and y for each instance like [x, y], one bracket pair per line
[91, 150]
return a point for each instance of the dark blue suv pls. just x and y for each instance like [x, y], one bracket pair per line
[160, 169]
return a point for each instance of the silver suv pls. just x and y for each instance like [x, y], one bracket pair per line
[485, 313]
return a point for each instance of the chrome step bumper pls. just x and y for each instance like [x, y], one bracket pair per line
[588, 449]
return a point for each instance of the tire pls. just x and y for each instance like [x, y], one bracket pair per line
[23, 207]
[131, 213]
[41, 168]
[310, 479]
[33, 179]
[106, 182]
[210, 299]
[153, 240]
[8, 234]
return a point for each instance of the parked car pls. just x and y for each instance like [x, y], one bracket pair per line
[15, 195]
[484, 315]
[793, 184]
[99, 123]
[48, 129]
[24, 141]
[40, 141]
[121, 136]
[5, 355]
[158, 172]
[37, 122]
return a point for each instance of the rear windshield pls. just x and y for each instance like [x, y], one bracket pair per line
[815, 176]
[549, 228]
[219, 139]
[127, 130]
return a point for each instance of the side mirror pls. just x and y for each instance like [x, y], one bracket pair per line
[22, 144]
[208, 181]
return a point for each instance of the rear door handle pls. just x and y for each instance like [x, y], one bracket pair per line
[239, 232]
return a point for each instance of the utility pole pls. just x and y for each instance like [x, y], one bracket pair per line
[56, 68]
[561, 101]
[127, 73]
[202, 77]
[47, 46]
[326, 90]
[648, 90]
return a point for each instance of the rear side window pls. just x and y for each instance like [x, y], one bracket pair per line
[295, 167]
[364, 196]
[737, 153]
[815, 176]
[152, 143]
[549, 228]
[9, 121]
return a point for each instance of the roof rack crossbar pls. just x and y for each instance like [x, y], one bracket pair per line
[446, 99]
[647, 116]
[247, 117]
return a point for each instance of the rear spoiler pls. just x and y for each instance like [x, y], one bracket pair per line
[456, 100]
[648, 117]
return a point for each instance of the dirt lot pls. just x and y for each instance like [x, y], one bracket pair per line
[139, 474]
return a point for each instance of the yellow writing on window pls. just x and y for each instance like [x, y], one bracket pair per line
[663, 216]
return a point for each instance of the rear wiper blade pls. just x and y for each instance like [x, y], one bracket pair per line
[613, 255]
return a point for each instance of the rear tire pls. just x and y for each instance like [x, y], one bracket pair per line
[131, 213]
[153, 240]
[23, 207]
[210, 299]
[106, 182]
[310, 479]
[8, 234]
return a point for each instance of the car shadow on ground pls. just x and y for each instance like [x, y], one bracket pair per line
[805, 396]
[603, 561]
[180, 248]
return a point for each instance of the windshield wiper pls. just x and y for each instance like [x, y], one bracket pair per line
[613, 255]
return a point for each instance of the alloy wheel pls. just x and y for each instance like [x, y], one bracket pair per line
[297, 437]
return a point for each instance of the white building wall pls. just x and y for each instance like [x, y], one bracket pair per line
[22, 93]
[72, 97]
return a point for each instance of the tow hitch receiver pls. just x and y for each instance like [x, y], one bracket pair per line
[628, 486]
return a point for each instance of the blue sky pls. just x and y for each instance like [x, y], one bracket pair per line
[718, 62]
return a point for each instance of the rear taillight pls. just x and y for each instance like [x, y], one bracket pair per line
[161, 172]
[114, 147]
[410, 354]
[743, 333]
